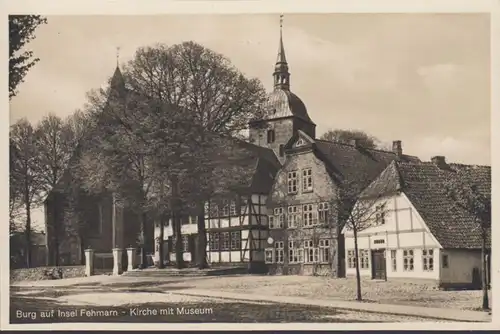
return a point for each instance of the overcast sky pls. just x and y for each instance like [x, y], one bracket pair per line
[419, 78]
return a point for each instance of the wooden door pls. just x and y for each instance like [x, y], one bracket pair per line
[378, 264]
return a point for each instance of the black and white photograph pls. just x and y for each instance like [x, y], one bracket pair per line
[277, 167]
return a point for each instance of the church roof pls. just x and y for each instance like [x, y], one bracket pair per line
[284, 103]
[424, 185]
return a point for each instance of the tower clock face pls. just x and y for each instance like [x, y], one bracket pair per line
[270, 240]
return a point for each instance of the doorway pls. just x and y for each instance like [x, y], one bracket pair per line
[378, 264]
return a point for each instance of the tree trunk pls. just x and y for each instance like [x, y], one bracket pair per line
[484, 273]
[176, 224]
[143, 220]
[55, 226]
[356, 257]
[28, 232]
[202, 240]
[161, 236]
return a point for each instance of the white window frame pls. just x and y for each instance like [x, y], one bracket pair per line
[225, 241]
[309, 215]
[269, 251]
[364, 259]
[351, 259]
[295, 252]
[293, 182]
[428, 259]
[232, 209]
[225, 208]
[394, 260]
[324, 250]
[380, 214]
[294, 216]
[323, 212]
[235, 240]
[310, 252]
[279, 218]
[408, 260]
[279, 247]
[307, 180]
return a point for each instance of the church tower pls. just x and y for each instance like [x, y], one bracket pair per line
[285, 111]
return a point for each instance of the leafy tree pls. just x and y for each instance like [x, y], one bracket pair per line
[21, 31]
[345, 136]
[469, 195]
[23, 142]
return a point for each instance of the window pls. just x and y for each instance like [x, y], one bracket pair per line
[380, 214]
[379, 241]
[394, 259]
[184, 243]
[307, 181]
[224, 236]
[445, 261]
[323, 212]
[185, 220]
[214, 209]
[428, 259]
[311, 252]
[280, 251]
[309, 215]
[278, 220]
[293, 216]
[270, 136]
[324, 251]
[213, 242]
[269, 254]
[236, 240]
[295, 253]
[243, 206]
[292, 182]
[225, 208]
[351, 259]
[364, 259]
[408, 260]
[282, 150]
[232, 209]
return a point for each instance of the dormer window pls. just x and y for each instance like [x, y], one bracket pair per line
[270, 136]
[300, 142]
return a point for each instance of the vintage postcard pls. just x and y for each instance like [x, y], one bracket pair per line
[277, 167]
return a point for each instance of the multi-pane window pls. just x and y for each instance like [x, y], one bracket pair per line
[324, 250]
[232, 209]
[307, 180]
[364, 259]
[278, 220]
[428, 259]
[408, 259]
[295, 253]
[224, 240]
[225, 208]
[394, 259]
[309, 215]
[236, 240]
[269, 255]
[323, 209]
[380, 214]
[243, 206]
[279, 247]
[293, 216]
[351, 259]
[311, 252]
[292, 182]
[213, 241]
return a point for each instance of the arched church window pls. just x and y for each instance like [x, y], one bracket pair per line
[282, 150]
[270, 136]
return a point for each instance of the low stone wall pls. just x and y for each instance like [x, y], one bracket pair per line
[46, 273]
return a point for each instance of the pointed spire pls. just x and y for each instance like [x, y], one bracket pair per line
[281, 74]
[117, 81]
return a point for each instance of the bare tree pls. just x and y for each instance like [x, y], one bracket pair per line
[471, 195]
[23, 141]
[346, 136]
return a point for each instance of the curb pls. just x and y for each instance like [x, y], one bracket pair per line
[449, 319]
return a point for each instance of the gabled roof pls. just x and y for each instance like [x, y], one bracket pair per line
[356, 167]
[423, 184]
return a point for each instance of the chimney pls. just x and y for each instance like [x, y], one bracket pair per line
[439, 161]
[354, 142]
[397, 149]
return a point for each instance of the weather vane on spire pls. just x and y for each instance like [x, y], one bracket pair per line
[117, 55]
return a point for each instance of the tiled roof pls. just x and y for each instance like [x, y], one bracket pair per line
[356, 167]
[424, 185]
